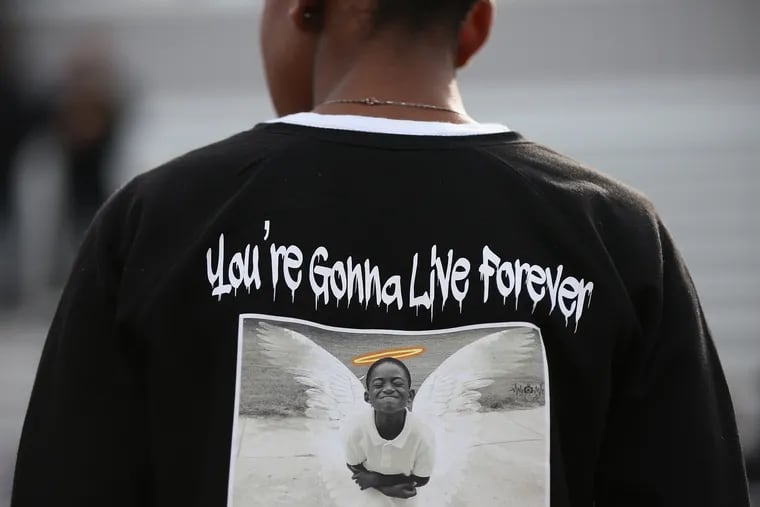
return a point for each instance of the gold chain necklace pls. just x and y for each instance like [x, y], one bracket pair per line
[372, 101]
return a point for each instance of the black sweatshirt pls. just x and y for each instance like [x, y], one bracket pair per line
[290, 236]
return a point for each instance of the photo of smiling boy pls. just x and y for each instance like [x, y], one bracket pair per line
[387, 448]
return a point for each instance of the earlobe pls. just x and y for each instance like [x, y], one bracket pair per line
[305, 13]
[474, 31]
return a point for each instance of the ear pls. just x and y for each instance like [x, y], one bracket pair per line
[412, 393]
[306, 14]
[366, 396]
[474, 31]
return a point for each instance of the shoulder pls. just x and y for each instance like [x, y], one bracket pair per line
[205, 168]
[355, 425]
[151, 218]
[172, 200]
[564, 179]
[420, 429]
[579, 197]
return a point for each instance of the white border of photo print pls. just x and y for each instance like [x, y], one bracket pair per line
[479, 406]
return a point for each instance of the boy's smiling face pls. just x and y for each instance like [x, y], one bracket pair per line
[389, 389]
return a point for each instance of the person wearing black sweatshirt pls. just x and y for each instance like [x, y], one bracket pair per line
[374, 162]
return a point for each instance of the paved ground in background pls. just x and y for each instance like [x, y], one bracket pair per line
[22, 335]
[277, 466]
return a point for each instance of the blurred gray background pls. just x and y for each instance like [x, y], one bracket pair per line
[662, 94]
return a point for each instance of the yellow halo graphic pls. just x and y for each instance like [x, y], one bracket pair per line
[372, 357]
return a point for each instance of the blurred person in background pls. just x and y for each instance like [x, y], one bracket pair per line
[374, 156]
[87, 116]
[19, 114]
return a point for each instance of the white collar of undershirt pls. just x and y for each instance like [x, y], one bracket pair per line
[390, 126]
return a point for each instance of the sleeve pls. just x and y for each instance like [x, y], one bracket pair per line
[671, 436]
[351, 438]
[423, 463]
[84, 439]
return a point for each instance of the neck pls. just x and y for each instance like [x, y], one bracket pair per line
[389, 426]
[424, 75]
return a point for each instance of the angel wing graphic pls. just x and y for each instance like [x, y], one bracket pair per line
[448, 402]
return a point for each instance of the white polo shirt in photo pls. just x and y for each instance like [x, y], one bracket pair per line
[412, 452]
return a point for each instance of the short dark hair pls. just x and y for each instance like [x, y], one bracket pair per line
[418, 15]
[391, 360]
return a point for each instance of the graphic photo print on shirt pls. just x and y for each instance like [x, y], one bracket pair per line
[454, 417]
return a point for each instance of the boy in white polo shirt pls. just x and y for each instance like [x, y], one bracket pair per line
[387, 448]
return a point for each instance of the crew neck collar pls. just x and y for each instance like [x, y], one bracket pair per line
[377, 125]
